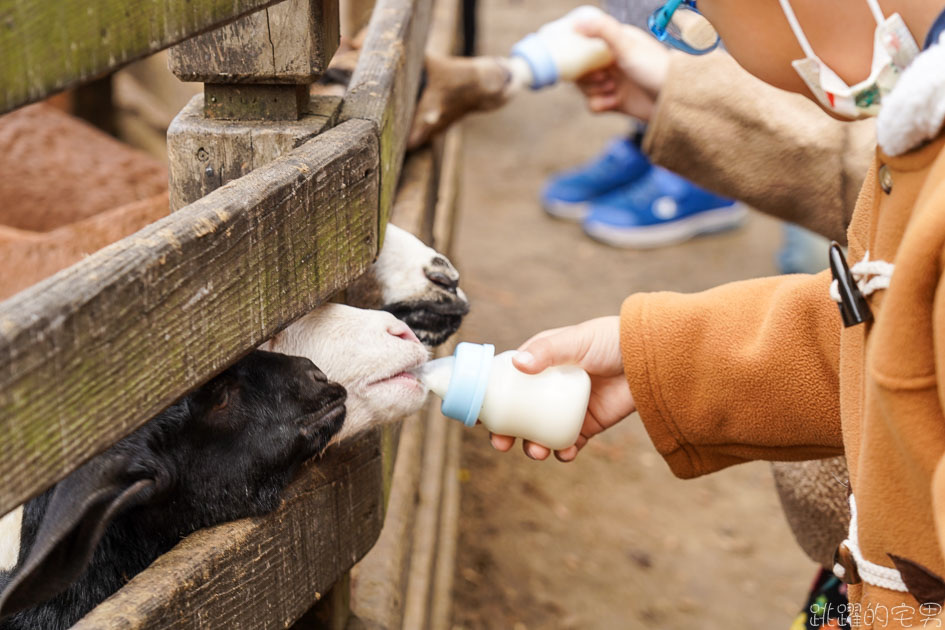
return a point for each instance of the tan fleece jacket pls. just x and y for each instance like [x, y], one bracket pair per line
[729, 132]
[720, 126]
[762, 369]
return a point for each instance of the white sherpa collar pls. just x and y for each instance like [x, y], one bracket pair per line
[915, 110]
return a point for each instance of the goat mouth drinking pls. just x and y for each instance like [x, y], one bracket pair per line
[365, 351]
[403, 376]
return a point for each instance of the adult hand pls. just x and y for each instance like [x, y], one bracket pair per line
[633, 82]
[595, 346]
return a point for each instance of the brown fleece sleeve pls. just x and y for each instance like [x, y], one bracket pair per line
[729, 132]
[745, 371]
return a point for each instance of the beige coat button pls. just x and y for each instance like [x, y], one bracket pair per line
[885, 179]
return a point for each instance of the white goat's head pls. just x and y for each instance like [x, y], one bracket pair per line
[417, 284]
[369, 352]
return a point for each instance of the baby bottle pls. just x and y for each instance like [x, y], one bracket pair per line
[547, 408]
[558, 52]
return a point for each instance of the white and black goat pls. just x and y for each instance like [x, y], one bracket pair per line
[362, 349]
[223, 452]
[416, 283]
[366, 351]
[370, 352]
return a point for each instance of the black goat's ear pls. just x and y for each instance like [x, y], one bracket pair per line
[81, 507]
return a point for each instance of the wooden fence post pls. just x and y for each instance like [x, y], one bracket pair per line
[355, 15]
[383, 88]
[256, 105]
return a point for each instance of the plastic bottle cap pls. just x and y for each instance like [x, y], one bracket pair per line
[535, 52]
[468, 382]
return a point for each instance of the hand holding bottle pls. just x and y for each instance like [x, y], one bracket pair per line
[595, 346]
[633, 82]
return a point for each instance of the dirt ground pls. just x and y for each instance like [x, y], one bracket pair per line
[613, 540]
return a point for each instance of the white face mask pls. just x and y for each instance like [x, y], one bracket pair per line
[894, 48]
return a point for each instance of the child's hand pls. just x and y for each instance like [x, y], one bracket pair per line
[633, 82]
[595, 346]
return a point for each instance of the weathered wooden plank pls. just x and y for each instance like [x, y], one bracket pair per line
[355, 15]
[261, 573]
[427, 524]
[89, 354]
[378, 580]
[447, 211]
[332, 611]
[445, 218]
[49, 46]
[445, 28]
[415, 203]
[384, 85]
[291, 42]
[254, 101]
[204, 154]
[441, 596]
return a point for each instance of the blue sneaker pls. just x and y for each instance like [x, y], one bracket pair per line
[660, 209]
[567, 195]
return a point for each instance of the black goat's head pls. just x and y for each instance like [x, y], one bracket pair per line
[243, 436]
[223, 452]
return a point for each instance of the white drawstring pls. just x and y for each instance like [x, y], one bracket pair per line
[870, 572]
[870, 276]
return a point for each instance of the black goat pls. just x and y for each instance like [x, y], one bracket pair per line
[223, 452]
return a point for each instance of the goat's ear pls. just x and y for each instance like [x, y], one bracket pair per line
[81, 507]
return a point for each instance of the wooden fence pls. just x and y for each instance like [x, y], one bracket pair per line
[279, 202]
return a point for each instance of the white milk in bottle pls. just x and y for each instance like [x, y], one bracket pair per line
[547, 408]
[557, 52]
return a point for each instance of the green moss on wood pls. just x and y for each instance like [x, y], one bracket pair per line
[94, 351]
[49, 45]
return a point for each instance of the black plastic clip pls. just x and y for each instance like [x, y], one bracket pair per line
[853, 306]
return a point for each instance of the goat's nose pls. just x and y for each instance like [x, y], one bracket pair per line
[402, 331]
[442, 279]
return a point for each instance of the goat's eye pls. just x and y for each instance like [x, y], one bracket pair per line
[223, 399]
